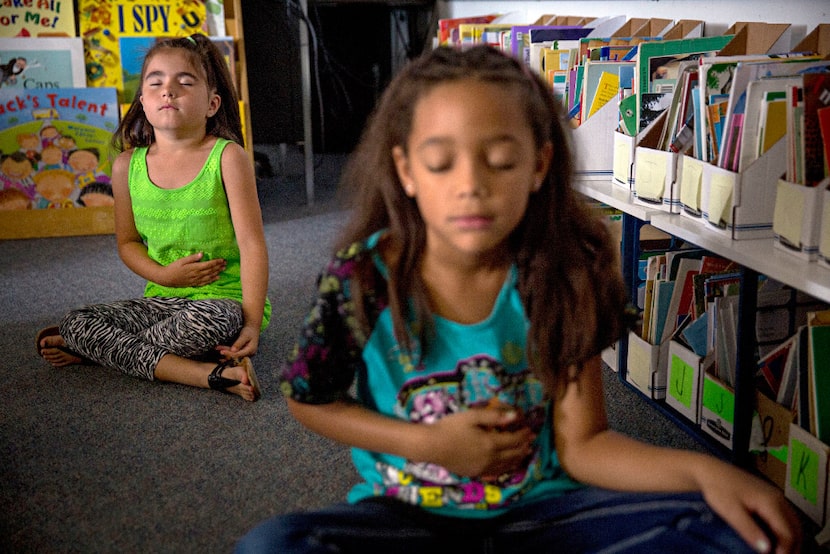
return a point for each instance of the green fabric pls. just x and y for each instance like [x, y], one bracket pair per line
[175, 223]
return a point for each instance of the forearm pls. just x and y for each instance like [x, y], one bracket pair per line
[354, 425]
[254, 277]
[135, 257]
[614, 461]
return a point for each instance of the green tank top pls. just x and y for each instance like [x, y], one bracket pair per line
[174, 223]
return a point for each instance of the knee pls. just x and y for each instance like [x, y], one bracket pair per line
[265, 537]
[72, 321]
[277, 534]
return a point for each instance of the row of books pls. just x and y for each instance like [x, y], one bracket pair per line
[691, 295]
[722, 99]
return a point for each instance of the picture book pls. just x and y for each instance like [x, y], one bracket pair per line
[520, 38]
[795, 134]
[816, 92]
[680, 307]
[42, 62]
[103, 22]
[818, 341]
[765, 117]
[49, 18]
[215, 18]
[601, 84]
[554, 37]
[751, 70]
[654, 56]
[680, 108]
[54, 147]
[789, 378]
[771, 367]
[448, 27]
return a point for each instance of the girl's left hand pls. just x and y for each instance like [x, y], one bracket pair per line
[245, 345]
[750, 504]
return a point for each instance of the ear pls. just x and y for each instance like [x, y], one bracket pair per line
[404, 171]
[213, 106]
[543, 159]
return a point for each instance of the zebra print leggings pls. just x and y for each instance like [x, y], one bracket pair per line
[133, 335]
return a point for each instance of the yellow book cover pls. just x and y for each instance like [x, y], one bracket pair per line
[102, 23]
[45, 18]
[607, 89]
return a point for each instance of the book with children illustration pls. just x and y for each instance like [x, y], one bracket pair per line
[48, 62]
[54, 147]
[103, 22]
[48, 18]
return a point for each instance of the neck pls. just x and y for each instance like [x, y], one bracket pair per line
[173, 143]
[465, 293]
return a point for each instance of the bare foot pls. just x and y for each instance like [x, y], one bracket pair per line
[245, 389]
[53, 349]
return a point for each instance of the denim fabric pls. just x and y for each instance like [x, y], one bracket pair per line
[588, 520]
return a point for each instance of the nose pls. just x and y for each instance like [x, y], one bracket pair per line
[471, 179]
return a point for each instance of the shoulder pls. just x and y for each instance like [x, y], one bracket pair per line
[232, 151]
[121, 163]
[235, 161]
[358, 261]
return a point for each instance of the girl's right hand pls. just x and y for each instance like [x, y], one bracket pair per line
[474, 443]
[190, 271]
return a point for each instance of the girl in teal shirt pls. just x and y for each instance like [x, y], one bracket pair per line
[455, 343]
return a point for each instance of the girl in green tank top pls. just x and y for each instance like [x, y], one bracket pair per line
[187, 219]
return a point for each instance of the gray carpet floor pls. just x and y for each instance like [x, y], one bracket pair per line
[94, 461]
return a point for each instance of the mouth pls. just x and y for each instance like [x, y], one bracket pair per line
[472, 222]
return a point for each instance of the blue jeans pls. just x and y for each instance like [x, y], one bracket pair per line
[586, 520]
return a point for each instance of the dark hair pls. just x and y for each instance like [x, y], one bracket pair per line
[134, 129]
[98, 187]
[569, 278]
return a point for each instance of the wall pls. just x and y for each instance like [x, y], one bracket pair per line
[718, 15]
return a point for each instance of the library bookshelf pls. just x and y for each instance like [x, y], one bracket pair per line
[755, 257]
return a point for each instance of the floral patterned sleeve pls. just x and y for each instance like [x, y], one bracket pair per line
[323, 364]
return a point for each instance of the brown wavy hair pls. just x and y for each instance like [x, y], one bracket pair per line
[569, 278]
[134, 129]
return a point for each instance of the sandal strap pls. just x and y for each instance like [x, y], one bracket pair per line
[215, 379]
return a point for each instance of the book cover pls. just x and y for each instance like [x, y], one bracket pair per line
[653, 55]
[599, 79]
[103, 22]
[42, 62]
[557, 38]
[520, 38]
[816, 93]
[795, 134]
[54, 147]
[818, 327]
[663, 291]
[771, 367]
[446, 26]
[606, 90]
[50, 18]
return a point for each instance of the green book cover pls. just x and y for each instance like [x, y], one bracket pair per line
[819, 342]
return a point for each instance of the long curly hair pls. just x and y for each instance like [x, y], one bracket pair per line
[569, 278]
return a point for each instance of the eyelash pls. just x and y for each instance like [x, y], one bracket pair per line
[498, 167]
